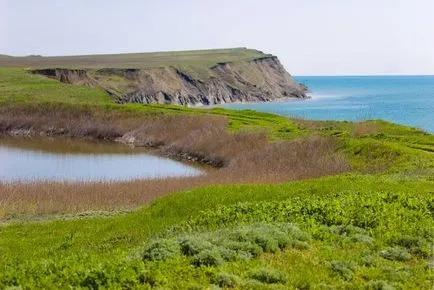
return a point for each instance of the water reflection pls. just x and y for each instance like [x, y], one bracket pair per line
[71, 160]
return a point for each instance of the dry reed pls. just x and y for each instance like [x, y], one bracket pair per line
[242, 158]
[363, 129]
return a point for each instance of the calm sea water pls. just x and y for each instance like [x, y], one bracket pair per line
[32, 160]
[407, 100]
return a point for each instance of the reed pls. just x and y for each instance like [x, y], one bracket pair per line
[259, 162]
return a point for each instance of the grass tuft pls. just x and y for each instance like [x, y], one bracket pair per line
[269, 276]
[396, 254]
[344, 269]
[162, 250]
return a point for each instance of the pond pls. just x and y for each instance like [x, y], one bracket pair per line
[27, 160]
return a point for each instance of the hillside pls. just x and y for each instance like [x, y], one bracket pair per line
[202, 77]
[286, 204]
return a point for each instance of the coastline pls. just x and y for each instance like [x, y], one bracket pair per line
[277, 100]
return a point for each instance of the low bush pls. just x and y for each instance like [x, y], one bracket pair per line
[397, 254]
[209, 257]
[193, 245]
[226, 280]
[269, 276]
[244, 249]
[415, 245]
[378, 285]
[344, 269]
[162, 250]
[239, 243]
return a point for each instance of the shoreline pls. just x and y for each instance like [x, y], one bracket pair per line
[156, 149]
[278, 100]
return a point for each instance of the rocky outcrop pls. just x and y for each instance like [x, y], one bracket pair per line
[70, 76]
[262, 79]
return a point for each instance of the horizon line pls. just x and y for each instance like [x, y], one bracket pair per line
[364, 75]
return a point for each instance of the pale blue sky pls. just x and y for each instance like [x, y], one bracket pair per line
[310, 37]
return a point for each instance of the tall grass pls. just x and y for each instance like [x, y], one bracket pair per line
[244, 157]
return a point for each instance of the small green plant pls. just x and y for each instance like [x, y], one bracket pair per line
[299, 245]
[344, 269]
[207, 258]
[415, 245]
[253, 284]
[378, 285]
[265, 241]
[397, 254]
[226, 280]
[269, 276]
[193, 245]
[364, 239]
[240, 243]
[244, 249]
[162, 250]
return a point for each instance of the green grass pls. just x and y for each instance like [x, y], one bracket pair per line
[371, 228]
[20, 86]
[193, 58]
[382, 209]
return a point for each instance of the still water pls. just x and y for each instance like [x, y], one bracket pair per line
[27, 160]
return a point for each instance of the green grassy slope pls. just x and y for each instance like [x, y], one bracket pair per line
[383, 146]
[20, 86]
[370, 229]
[352, 222]
[195, 58]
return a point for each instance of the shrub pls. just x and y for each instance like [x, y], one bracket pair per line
[346, 230]
[162, 250]
[252, 284]
[191, 246]
[293, 231]
[343, 268]
[269, 237]
[364, 239]
[207, 258]
[269, 276]
[299, 245]
[397, 254]
[410, 242]
[369, 261]
[244, 249]
[265, 241]
[378, 285]
[415, 245]
[226, 280]
[242, 243]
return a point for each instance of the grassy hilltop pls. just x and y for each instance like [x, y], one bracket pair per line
[194, 58]
[183, 78]
[287, 203]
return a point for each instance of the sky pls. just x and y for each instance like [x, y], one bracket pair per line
[310, 37]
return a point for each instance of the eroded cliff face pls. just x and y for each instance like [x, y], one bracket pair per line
[259, 80]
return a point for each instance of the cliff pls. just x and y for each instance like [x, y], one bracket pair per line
[195, 79]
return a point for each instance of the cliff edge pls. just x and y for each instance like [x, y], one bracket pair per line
[184, 78]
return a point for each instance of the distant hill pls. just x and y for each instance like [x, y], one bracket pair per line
[137, 60]
[182, 77]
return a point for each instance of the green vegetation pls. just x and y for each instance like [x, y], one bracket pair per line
[343, 230]
[372, 228]
[193, 59]
[19, 86]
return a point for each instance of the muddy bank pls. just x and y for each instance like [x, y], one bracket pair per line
[128, 139]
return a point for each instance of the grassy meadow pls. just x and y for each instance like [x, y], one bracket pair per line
[287, 203]
[195, 59]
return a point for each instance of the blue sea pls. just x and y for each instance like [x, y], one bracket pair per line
[407, 100]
